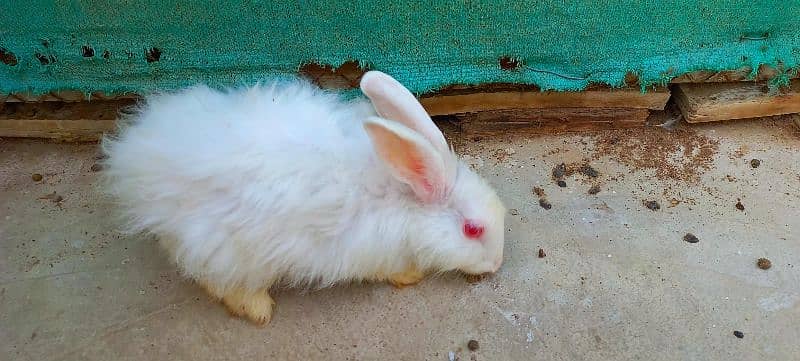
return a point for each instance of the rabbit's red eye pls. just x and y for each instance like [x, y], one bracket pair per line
[473, 230]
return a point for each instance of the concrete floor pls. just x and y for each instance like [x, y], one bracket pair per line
[618, 281]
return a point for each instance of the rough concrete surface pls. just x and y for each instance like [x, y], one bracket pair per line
[618, 281]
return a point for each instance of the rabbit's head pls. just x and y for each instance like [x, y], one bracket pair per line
[461, 222]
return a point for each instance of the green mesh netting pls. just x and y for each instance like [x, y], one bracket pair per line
[138, 46]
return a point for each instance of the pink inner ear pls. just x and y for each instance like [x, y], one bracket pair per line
[473, 230]
[418, 168]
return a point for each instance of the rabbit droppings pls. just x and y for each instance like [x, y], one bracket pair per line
[285, 183]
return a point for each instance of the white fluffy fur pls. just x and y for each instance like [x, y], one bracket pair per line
[281, 183]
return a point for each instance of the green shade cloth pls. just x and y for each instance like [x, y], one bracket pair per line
[139, 46]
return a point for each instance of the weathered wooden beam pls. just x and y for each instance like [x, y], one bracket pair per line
[71, 130]
[443, 104]
[68, 121]
[550, 121]
[722, 101]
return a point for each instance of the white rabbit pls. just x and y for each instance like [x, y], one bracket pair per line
[288, 184]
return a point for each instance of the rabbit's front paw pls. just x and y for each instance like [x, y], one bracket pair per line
[406, 278]
[255, 306]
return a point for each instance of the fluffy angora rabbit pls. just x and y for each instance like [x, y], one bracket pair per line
[288, 184]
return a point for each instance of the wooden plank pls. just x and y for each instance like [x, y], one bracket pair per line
[723, 101]
[490, 101]
[73, 130]
[78, 121]
[551, 121]
[89, 120]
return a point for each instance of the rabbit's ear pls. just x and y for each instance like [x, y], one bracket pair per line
[410, 157]
[393, 101]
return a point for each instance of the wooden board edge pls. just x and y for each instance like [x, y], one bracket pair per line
[550, 121]
[703, 108]
[490, 101]
[59, 129]
[741, 111]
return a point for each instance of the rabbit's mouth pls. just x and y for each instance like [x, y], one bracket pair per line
[483, 268]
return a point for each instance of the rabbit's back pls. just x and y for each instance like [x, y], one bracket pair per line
[222, 130]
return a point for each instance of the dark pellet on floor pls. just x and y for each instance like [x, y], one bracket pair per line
[559, 171]
[588, 171]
